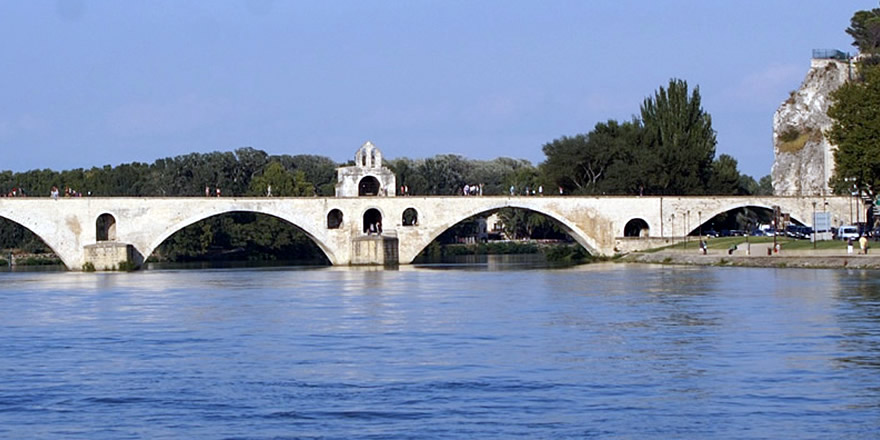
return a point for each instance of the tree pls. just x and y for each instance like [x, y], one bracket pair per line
[765, 186]
[283, 182]
[679, 133]
[865, 30]
[726, 179]
[601, 161]
[855, 129]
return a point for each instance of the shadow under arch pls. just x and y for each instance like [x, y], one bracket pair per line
[13, 232]
[579, 236]
[710, 217]
[324, 251]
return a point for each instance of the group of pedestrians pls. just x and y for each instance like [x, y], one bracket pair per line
[472, 190]
[863, 245]
[16, 192]
[529, 191]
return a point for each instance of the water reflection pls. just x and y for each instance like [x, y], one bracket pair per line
[642, 351]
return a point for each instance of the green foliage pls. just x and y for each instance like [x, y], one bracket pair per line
[855, 111]
[568, 254]
[789, 134]
[865, 30]
[601, 161]
[726, 179]
[446, 174]
[793, 141]
[670, 150]
[679, 134]
[126, 266]
[15, 236]
[283, 182]
[88, 267]
[436, 251]
[522, 223]
[765, 186]
[238, 236]
[185, 175]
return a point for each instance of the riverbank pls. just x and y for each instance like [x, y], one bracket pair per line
[758, 257]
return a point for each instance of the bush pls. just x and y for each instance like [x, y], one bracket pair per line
[789, 134]
[126, 266]
[572, 254]
[88, 267]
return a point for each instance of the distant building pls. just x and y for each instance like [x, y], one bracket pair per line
[367, 177]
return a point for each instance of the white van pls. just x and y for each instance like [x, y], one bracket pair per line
[848, 232]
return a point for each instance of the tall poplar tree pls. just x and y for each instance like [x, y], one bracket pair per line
[679, 133]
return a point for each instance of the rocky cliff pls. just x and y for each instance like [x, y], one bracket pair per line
[804, 159]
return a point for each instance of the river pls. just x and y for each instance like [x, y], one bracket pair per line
[493, 349]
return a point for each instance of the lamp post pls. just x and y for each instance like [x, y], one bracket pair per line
[851, 194]
[814, 225]
[748, 233]
[687, 224]
[700, 220]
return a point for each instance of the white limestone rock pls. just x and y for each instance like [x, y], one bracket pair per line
[803, 158]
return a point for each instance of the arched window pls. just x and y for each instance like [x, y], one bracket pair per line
[368, 186]
[373, 221]
[410, 217]
[636, 228]
[105, 228]
[334, 219]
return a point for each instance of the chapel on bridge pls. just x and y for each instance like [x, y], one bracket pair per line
[367, 177]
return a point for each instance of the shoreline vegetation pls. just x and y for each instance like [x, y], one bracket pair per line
[728, 251]
[555, 252]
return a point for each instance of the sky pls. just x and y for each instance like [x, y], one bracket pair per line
[87, 83]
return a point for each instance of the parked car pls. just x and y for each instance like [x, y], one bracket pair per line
[848, 232]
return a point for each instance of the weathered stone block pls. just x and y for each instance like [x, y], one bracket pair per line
[107, 255]
[374, 250]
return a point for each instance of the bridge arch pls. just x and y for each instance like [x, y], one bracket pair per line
[309, 231]
[636, 227]
[582, 238]
[55, 248]
[709, 214]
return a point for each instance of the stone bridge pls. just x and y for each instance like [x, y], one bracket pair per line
[69, 226]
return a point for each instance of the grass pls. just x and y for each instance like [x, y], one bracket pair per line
[794, 145]
[787, 243]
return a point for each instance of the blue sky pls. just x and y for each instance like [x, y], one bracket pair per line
[92, 82]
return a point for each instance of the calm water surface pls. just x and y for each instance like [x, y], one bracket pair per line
[599, 351]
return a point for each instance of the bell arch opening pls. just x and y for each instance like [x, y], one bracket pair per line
[334, 219]
[509, 230]
[410, 217]
[240, 238]
[636, 228]
[105, 228]
[368, 186]
[372, 221]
